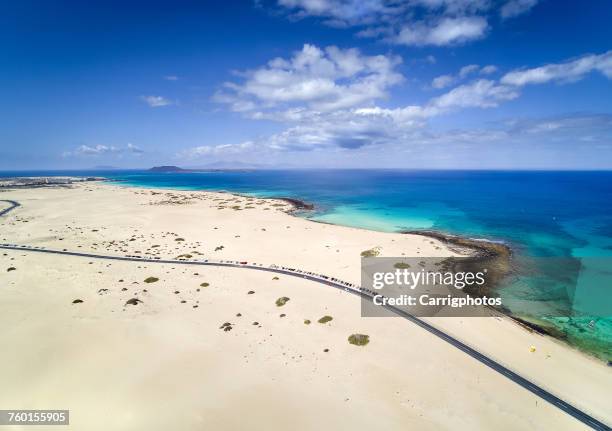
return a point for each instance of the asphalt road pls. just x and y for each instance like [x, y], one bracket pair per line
[14, 205]
[496, 366]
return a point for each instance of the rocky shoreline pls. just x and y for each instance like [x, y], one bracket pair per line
[498, 258]
[297, 203]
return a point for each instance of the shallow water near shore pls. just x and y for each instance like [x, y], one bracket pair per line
[559, 225]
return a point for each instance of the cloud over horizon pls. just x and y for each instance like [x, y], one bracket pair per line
[314, 94]
[565, 72]
[102, 150]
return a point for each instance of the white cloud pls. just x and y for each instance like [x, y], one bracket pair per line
[444, 81]
[156, 101]
[439, 22]
[215, 150]
[329, 99]
[102, 150]
[468, 70]
[569, 71]
[344, 12]
[447, 31]
[593, 126]
[171, 78]
[514, 8]
[487, 70]
[95, 150]
[320, 79]
[134, 149]
[482, 93]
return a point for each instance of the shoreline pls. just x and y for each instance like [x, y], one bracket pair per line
[174, 336]
[498, 254]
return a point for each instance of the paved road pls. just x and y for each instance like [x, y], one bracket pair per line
[356, 290]
[14, 205]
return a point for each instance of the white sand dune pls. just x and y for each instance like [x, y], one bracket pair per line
[166, 364]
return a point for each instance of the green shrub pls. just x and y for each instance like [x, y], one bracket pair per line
[325, 319]
[133, 301]
[282, 301]
[359, 339]
[373, 252]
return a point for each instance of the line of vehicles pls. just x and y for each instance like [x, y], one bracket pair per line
[275, 268]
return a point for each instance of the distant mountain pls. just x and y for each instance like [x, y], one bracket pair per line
[169, 169]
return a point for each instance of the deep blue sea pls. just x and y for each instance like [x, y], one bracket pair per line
[559, 225]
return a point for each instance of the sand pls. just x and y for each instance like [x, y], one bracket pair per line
[166, 364]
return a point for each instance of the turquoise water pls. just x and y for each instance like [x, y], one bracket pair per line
[559, 225]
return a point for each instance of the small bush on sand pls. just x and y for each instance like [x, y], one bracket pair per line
[401, 265]
[133, 301]
[12, 268]
[204, 285]
[151, 279]
[306, 322]
[373, 252]
[359, 339]
[325, 319]
[77, 301]
[275, 278]
[227, 326]
[282, 301]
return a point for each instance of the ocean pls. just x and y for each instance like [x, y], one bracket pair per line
[558, 224]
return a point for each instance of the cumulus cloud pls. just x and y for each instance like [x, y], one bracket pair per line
[569, 71]
[482, 93]
[134, 149]
[102, 150]
[156, 101]
[487, 70]
[344, 12]
[409, 22]
[327, 97]
[330, 99]
[214, 150]
[468, 70]
[319, 79]
[347, 129]
[514, 8]
[446, 31]
[444, 81]
[370, 126]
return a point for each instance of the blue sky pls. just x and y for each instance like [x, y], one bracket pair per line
[510, 84]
